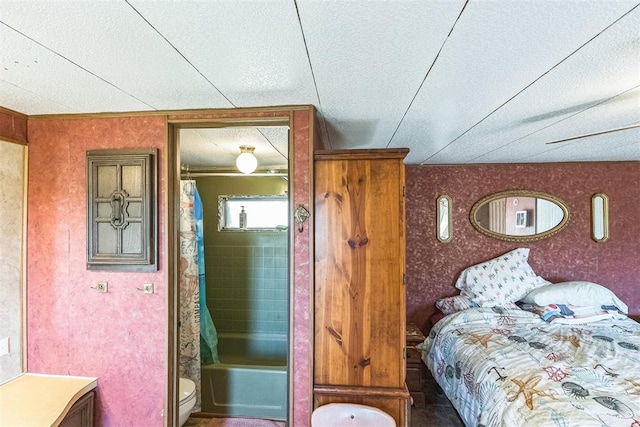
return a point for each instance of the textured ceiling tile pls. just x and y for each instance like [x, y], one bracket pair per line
[278, 138]
[495, 51]
[252, 51]
[369, 59]
[40, 81]
[218, 148]
[611, 147]
[110, 40]
[618, 112]
[27, 102]
[576, 97]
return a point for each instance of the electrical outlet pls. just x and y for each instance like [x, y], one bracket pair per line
[4, 346]
[147, 288]
[102, 287]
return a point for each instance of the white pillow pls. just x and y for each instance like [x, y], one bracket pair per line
[501, 280]
[575, 293]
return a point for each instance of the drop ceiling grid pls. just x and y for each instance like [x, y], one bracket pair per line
[580, 83]
[61, 86]
[369, 59]
[112, 41]
[252, 51]
[494, 52]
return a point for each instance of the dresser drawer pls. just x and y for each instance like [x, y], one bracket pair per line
[414, 378]
[413, 356]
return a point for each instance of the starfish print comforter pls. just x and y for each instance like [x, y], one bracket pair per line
[508, 367]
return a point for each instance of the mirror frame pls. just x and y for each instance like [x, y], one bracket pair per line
[602, 212]
[520, 193]
[439, 213]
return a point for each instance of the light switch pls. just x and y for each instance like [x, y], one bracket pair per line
[4, 346]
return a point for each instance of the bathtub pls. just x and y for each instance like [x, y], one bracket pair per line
[251, 378]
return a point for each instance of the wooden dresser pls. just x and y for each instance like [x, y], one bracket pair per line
[415, 366]
[359, 280]
[47, 400]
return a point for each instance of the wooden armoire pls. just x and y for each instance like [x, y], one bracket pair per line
[359, 280]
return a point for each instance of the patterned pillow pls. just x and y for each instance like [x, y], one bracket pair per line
[500, 281]
[450, 305]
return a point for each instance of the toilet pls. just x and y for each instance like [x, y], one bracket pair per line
[187, 396]
[350, 415]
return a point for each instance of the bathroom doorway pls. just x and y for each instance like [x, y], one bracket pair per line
[239, 359]
[303, 138]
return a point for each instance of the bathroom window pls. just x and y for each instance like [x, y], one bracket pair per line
[253, 213]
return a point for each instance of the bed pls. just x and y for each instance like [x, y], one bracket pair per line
[512, 358]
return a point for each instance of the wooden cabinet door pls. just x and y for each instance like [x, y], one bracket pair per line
[121, 219]
[359, 264]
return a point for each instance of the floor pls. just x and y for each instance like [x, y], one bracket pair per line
[432, 409]
[198, 421]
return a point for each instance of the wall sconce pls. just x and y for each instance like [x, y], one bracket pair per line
[600, 217]
[444, 227]
[246, 161]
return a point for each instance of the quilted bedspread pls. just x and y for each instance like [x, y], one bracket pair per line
[510, 368]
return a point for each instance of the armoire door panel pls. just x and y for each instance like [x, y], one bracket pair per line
[359, 292]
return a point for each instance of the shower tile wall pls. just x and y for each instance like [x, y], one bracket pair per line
[246, 271]
[247, 288]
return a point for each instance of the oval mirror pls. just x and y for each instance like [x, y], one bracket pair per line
[519, 215]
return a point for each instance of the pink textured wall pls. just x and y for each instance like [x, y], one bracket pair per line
[432, 267]
[120, 336]
[302, 122]
[302, 297]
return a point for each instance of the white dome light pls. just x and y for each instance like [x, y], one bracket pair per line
[246, 161]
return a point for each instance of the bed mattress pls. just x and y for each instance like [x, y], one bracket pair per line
[508, 367]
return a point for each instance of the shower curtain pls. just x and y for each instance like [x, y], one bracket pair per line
[198, 337]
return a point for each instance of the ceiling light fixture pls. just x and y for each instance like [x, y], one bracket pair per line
[246, 161]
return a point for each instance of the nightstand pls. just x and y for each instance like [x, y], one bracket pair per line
[414, 364]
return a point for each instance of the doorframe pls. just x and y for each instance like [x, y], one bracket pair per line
[302, 140]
